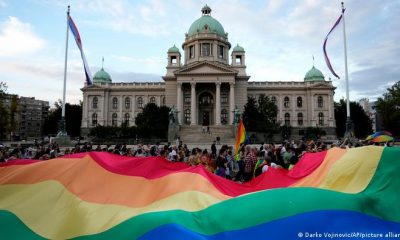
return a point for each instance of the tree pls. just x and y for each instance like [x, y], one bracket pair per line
[362, 123]
[13, 112]
[260, 115]
[152, 122]
[4, 113]
[389, 108]
[73, 117]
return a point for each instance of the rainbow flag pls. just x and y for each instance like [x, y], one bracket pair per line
[240, 136]
[98, 195]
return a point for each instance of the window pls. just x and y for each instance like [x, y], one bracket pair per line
[320, 119]
[220, 51]
[187, 116]
[224, 116]
[299, 102]
[287, 119]
[95, 102]
[140, 102]
[115, 103]
[127, 103]
[191, 52]
[126, 119]
[286, 102]
[320, 102]
[94, 119]
[224, 97]
[163, 101]
[114, 119]
[273, 99]
[238, 60]
[206, 99]
[300, 119]
[173, 60]
[187, 98]
[205, 49]
[152, 100]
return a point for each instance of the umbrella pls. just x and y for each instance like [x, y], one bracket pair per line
[372, 136]
[382, 138]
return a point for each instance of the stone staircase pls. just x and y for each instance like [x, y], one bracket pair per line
[195, 135]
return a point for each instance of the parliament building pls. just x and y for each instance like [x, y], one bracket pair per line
[205, 83]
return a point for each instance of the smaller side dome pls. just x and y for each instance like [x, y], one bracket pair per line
[173, 49]
[102, 77]
[314, 75]
[238, 48]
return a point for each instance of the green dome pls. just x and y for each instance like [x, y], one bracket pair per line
[173, 49]
[314, 75]
[206, 23]
[238, 48]
[102, 77]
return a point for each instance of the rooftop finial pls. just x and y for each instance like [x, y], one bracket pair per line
[206, 10]
[102, 63]
[313, 60]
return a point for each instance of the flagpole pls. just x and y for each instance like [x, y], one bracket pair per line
[62, 130]
[349, 125]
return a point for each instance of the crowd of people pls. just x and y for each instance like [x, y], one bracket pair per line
[249, 162]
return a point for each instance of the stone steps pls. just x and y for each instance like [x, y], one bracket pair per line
[194, 134]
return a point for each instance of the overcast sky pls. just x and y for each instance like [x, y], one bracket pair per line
[279, 36]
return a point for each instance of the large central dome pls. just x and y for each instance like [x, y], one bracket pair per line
[205, 24]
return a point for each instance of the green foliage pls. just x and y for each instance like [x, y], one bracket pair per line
[109, 133]
[152, 122]
[260, 115]
[362, 123]
[388, 108]
[286, 131]
[73, 117]
[4, 113]
[313, 133]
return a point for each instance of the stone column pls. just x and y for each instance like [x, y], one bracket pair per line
[312, 111]
[179, 101]
[121, 105]
[105, 107]
[218, 104]
[280, 108]
[193, 105]
[231, 102]
[133, 111]
[294, 106]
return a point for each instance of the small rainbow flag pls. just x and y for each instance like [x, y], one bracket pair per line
[98, 195]
[240, 136]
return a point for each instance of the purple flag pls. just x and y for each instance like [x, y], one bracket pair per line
[328, 63]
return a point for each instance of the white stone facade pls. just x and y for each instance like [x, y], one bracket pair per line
[206, 88]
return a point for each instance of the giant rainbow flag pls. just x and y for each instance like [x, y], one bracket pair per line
[97, 195]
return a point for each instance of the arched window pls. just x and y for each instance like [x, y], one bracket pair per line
[95, 102]
[287, 119]
[320, 102]
[224, 116]
[140, 102]
[126, 119]
[286, 102]
[299, 102]
[320, 119]
[152, 100]
[114, 119]
[300, 119]
[187, 116]
[127, 103]
[115, 103]
[94, 119]
[273, 99]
